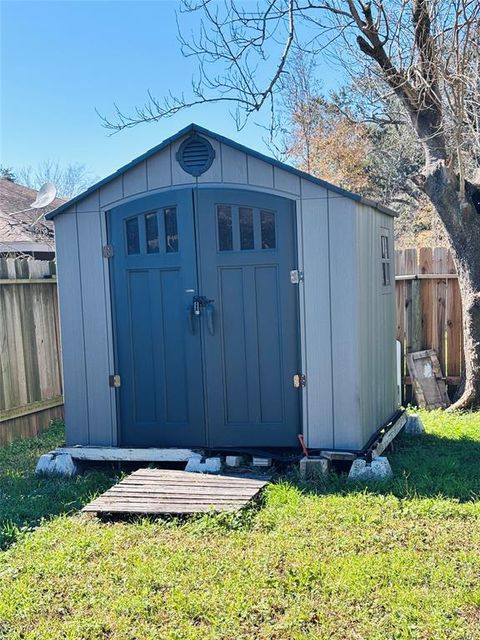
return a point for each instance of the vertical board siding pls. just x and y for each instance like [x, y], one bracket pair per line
[260, 173]
[29, 347]
[94, 328]
[344, 318]
[286, 181]
[234, 165]
[429, 311]
[135, 180]
[111, 192]
[159, 170]
[72, 331]
[376, 321]
[316, 329]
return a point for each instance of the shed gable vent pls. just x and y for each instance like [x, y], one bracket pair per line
[195, 155]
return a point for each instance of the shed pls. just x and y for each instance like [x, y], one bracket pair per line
[213, 297]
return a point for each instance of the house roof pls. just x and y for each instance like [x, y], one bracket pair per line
[195, 128]
[15, 221]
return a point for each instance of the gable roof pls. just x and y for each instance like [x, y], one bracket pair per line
[16, 218]
[195, 128]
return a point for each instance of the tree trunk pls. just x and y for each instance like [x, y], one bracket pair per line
[462, 225]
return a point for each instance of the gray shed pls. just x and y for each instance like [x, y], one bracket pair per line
[211, 296]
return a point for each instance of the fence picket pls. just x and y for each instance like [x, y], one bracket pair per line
[30, 370]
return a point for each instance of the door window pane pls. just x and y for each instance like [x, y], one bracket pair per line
[133, 240]
[267, 224]
[171, 230]
[246, 228]
[224, 221]
[151, 232]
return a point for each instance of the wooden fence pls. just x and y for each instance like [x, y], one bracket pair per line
[429, 312]
[30, 369]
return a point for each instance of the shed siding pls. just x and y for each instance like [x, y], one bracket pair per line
[95, 330]
[315, 323]
[135, 180]
[376, 322]
[344, 305]
[71, 316]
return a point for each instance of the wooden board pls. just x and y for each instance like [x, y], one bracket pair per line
[428, 381]
[161, 491]
[124, 454]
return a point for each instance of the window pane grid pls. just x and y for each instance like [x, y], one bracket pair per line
[171, 230]
[132, 236]
[151, 233]
[224, 225]
[385, 258]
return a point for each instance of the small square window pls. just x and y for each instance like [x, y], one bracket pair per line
[151, 232]
[245, 216]
[225, 230]
[267, 224]
[171, 230]
[133, 239]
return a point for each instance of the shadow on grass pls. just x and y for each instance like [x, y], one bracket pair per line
[27, 499]
[424, 466]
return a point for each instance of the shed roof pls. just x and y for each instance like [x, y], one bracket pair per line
[195, 128]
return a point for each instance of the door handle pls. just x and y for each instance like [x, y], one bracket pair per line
[210, 312]
[199, 304]
[192, 320]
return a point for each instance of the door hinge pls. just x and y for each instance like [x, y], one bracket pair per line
[114, 381]
[296, 276]
[299, 380]
[107, 250]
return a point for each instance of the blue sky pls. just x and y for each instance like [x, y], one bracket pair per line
[60, 60]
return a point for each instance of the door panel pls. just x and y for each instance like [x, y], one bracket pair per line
[158, 357]
[246, 249]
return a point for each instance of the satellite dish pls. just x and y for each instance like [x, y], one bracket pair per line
[45, 196]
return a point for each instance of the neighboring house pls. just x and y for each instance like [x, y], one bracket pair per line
[16, 236]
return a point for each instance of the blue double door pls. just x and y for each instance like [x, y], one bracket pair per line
[206, 319]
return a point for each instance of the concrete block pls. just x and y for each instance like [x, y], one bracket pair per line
[313, 467]
[64, 465]
[57, 465]
[197, 464]
[414, 425]
[44, 463]
[233, 461]
[261, 462]
[378, 469]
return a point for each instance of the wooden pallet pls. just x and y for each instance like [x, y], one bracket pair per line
[162, 491]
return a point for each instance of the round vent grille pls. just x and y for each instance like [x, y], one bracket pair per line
[195, 155]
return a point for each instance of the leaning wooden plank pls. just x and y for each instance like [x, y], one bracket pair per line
[390, 435]
[428, 381]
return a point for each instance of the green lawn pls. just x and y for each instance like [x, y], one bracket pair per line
[327, 560]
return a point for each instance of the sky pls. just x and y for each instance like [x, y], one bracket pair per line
[61, 60]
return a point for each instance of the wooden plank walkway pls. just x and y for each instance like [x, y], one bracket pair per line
[162, 491]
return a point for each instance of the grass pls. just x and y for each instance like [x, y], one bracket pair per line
[392, 560]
